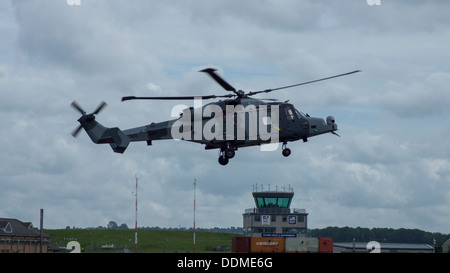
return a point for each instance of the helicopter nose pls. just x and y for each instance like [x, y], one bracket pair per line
[331, 121]
[319, 126]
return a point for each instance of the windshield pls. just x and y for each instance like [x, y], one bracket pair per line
[299, 114]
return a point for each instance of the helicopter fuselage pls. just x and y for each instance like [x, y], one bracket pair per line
[233, 123]
[227, 125]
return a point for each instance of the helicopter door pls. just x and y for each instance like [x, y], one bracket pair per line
[289, 111]
[266, 121]
[289, 117]
[294, 122]
[269, 123]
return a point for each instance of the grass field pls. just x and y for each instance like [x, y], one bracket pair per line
[152, 241]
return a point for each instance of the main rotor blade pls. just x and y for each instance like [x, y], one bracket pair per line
[303, 83]
[218, 79]
[176, 98]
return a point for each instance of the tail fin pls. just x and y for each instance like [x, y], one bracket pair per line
[121, 140]
[100, 134]
[97, 132]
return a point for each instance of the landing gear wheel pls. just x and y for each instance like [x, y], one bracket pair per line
[229, 153]
[286, 152]
[223, 160]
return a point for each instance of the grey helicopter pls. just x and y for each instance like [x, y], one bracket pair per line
[235, 122]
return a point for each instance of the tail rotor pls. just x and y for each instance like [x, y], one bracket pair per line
[85, 116]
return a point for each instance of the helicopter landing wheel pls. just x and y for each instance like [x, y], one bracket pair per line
[286, 152]
[229, 153]
[223, 160]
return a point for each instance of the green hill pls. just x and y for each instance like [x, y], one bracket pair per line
[156, 241]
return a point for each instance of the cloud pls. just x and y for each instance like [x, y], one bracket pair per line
[426, 96]
[389, 168]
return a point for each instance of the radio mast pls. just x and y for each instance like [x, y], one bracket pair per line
[135, 224]
[195, 185]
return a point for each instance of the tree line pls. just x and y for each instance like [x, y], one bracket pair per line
[339, 234]
[382, 235]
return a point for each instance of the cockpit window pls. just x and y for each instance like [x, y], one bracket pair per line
[289, 113]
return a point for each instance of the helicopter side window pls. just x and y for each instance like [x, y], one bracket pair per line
[289, 113]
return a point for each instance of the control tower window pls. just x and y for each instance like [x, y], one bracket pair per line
[273, 202]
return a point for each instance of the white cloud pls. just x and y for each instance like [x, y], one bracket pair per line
[389, 168]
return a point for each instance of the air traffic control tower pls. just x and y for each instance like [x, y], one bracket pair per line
[272, 216]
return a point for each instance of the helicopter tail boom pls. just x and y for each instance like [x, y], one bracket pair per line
[102, 135]
[98, 133]
[120, 140]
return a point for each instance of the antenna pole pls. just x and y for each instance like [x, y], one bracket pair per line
[135, 224]
[41, 230]
[195, 185]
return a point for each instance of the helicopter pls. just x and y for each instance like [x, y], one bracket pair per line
[235, 122]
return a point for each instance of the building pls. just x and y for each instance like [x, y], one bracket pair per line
[273, 217]
[446, 246]
[21, 237]
[382, 248]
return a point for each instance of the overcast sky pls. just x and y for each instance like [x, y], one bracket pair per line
[390, 167]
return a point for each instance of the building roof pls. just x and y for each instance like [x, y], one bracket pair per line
[14, 227]
[359, 245]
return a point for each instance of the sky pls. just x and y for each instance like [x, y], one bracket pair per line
[390, 167]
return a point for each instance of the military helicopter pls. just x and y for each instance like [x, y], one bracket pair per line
[235, 122]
